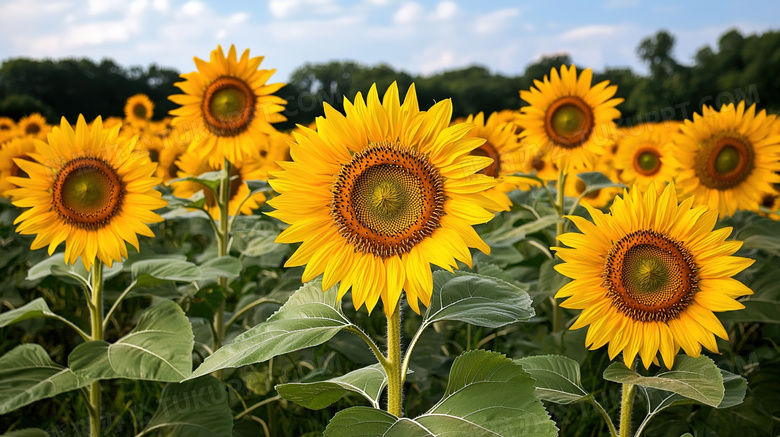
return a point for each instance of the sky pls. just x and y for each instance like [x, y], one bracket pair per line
[415, 36]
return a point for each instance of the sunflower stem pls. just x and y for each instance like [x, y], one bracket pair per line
[627, 405]
[96, 313]
[557, 311]
[223, 236]
[395, 382]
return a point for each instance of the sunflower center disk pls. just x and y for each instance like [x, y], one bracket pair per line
[87, 192]
[650, 277]
[139, 111]
[724, 161]
[228, 106]
[32, 129]
[487, 149]
[648, 162]
[387, 199]
[569, 122]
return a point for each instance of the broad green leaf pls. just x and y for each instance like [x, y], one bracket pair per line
[155, 271]
[557, 378]
[77, 273]
[487, 395]
[36, 308]
[27, 374]
[158, 349]
[258, 185]
[197, 408]
[595, 180]
[209, 180]
[508, 233]
[476, 299]
[206, 301]
[27, 432]
[763, 305]
[310, 317]
[262, 244]
[224, 266]
[763, 233]
[659, 400]
[367, 382]
[694, 378]
[550, 281]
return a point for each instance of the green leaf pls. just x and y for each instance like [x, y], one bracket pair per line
[595, 180]
[263, 244]
[367, 382]
[257, 186]
[158, 349]
[27, 374]
[155, 271]
[557, 378]
[209, 180]
[77, 273]
[36, 308]
[27, 432]
[476, 299]
[487, 395]
[763, 305]
[197, 408]
[310, 317]
[224, 266]
[694, 378]
[659, 400]
[508, 233]
[550, 281]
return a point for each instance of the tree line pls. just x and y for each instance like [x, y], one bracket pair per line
[739, 68]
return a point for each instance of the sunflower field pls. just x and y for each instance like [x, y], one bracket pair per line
[391, 268]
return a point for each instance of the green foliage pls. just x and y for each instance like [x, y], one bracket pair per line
[486, 395]
[368, 382]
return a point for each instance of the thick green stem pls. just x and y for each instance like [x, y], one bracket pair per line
[395, 384]
[96, 313]
[223, 239]
[627, 405]
[557, 311]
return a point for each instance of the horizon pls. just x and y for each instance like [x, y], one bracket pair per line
[421, 39]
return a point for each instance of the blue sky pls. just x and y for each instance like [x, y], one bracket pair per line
[419, 37]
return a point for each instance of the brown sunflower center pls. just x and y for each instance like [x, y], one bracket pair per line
[387, 199]
[228, 106]
[569, 122]
[769, 201]
[5, 126]
[580, 186]
[489, 150]
[87, 192]
[139, 110]
[724, 161]
[650, 276]
[647, 161]
[32, 129]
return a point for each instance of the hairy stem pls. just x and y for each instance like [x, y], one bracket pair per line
[96, 313]
[627, 405]
[557, 311]
[393, 368]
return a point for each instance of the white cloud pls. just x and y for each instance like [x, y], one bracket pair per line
[495, 21]
[586, 32]
[445, 10]
[443, 61]
[409, 12]
[192, 8]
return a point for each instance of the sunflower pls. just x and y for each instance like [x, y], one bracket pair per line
[644, 158]
[190, 164]
[729, 158]
[502, 146]
[17, 148]
[139, 110]
[6, 125]
[378, 195]
[167, 166]
[649, 275]
[89, 190]
[277, 150]
[34, 125]
[231, 101]
[567, 118]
